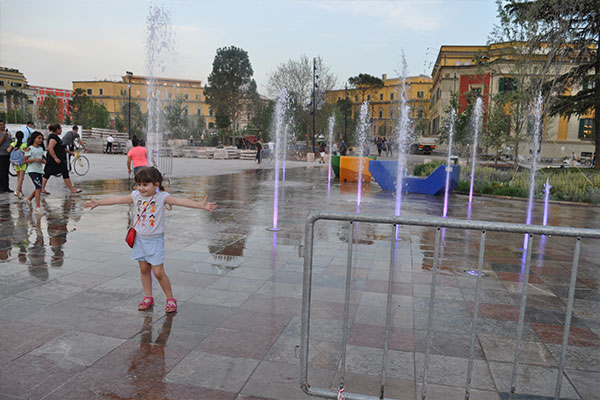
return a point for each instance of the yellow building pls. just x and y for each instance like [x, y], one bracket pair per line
[383, 102]
[112, 94]
[13, 79]
[487, 71]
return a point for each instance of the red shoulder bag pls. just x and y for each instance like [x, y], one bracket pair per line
[130, 236]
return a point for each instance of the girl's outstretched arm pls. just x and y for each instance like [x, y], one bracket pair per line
[204, 204]
[109, 201]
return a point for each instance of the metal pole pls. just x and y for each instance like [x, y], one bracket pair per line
[346, 325]
[129, 109]
[314, 103]
[346, 115]
[388, 310]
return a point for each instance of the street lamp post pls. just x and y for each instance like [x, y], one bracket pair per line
[129, 74]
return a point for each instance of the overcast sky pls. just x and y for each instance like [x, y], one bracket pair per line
[56, 42]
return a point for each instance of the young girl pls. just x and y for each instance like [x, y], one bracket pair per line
[35, 166]
[149, 248]
[19, 145]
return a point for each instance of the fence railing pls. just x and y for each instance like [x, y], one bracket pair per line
[439, 224]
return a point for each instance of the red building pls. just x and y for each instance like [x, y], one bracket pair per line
[64, 96]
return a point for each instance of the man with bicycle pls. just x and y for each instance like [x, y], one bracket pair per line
[69, 142]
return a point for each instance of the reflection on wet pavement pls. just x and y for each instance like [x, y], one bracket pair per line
[71, 329]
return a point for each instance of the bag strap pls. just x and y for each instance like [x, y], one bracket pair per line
[143, 211]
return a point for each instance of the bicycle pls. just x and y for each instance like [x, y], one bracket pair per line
[80, 164]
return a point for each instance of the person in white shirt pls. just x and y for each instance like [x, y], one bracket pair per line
[109, 143]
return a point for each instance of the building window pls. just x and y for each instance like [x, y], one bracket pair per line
[339, 98]
[123, 92]
[420, 112]
[420, 94]
[89, 91]
[1, 83]
[506, 84]
[15, 84]
[186, 96]
[586, 129]
[380, 113]
[1, 98]
[211, 125]
[380, 96]
[210, 112]
[169, 95]
[101, 102]
[356, 98]
[199, 111]
[198, 97]
[368, 97]
[101, 91]
[391, 96]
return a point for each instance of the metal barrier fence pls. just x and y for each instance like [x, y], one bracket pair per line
[438, 223]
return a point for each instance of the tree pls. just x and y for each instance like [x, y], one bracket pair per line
[49, 110]
[296, 76]
[572, 25]
[344, 124]
[16, 106]
[138, 120]
[262, 115]
[365, 84]
[87, 113]
[176, 117]
[230, 82]
[542, 48]
[223, 123]
[497, 131]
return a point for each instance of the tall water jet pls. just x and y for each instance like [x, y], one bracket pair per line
[330, 126]
[536, 116]
[451, 123]
[547, 187]
[402, 133]
[284, 151]
[476, 122]
[280, 126]
[363, 131]
[159, 44]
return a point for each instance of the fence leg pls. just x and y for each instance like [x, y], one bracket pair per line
[388, 311]
[565, 341]
[306, 295]
[475, 315]
[347, 305]
[513, 379]
[436, 252]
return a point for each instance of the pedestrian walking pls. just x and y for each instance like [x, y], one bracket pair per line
[34, 159]
[56, 160]
[137, 156]
[17, 159]
[149, 247]
[259, 148]
[4, 157]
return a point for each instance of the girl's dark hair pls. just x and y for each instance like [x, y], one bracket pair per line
[135, 141]
[32, 138]
[53, 127]
[142, 142]
[19, 136]
[149, 175]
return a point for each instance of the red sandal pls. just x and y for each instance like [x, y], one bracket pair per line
[144, 305]
[171, 306]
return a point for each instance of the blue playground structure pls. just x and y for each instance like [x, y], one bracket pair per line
[385, 173]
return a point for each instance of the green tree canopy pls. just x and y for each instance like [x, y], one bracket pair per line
[49, 110]
[365, 84]
[230, 82]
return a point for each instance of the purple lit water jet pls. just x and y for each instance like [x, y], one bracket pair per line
[330, 125]
[477, 114]
[402, 131]
[280, 127]
[547, 187]
[449, 165]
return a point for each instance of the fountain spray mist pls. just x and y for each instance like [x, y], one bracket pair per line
[402, 133]
[280, 125]
[159, 45]
[451, 123]
[363, 131]
[476, 122]
[330, 126]
[536, 115]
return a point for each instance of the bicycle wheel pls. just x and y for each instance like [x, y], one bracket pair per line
[11, 170]
[81, 165]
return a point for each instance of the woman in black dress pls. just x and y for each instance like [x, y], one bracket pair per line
[56, 159]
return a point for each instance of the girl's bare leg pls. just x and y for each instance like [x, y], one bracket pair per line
[44, 182]
[146, 276]
[36, 193]
[20, 176]
[163, 280]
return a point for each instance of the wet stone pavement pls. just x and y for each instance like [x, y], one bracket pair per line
[70, 329]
